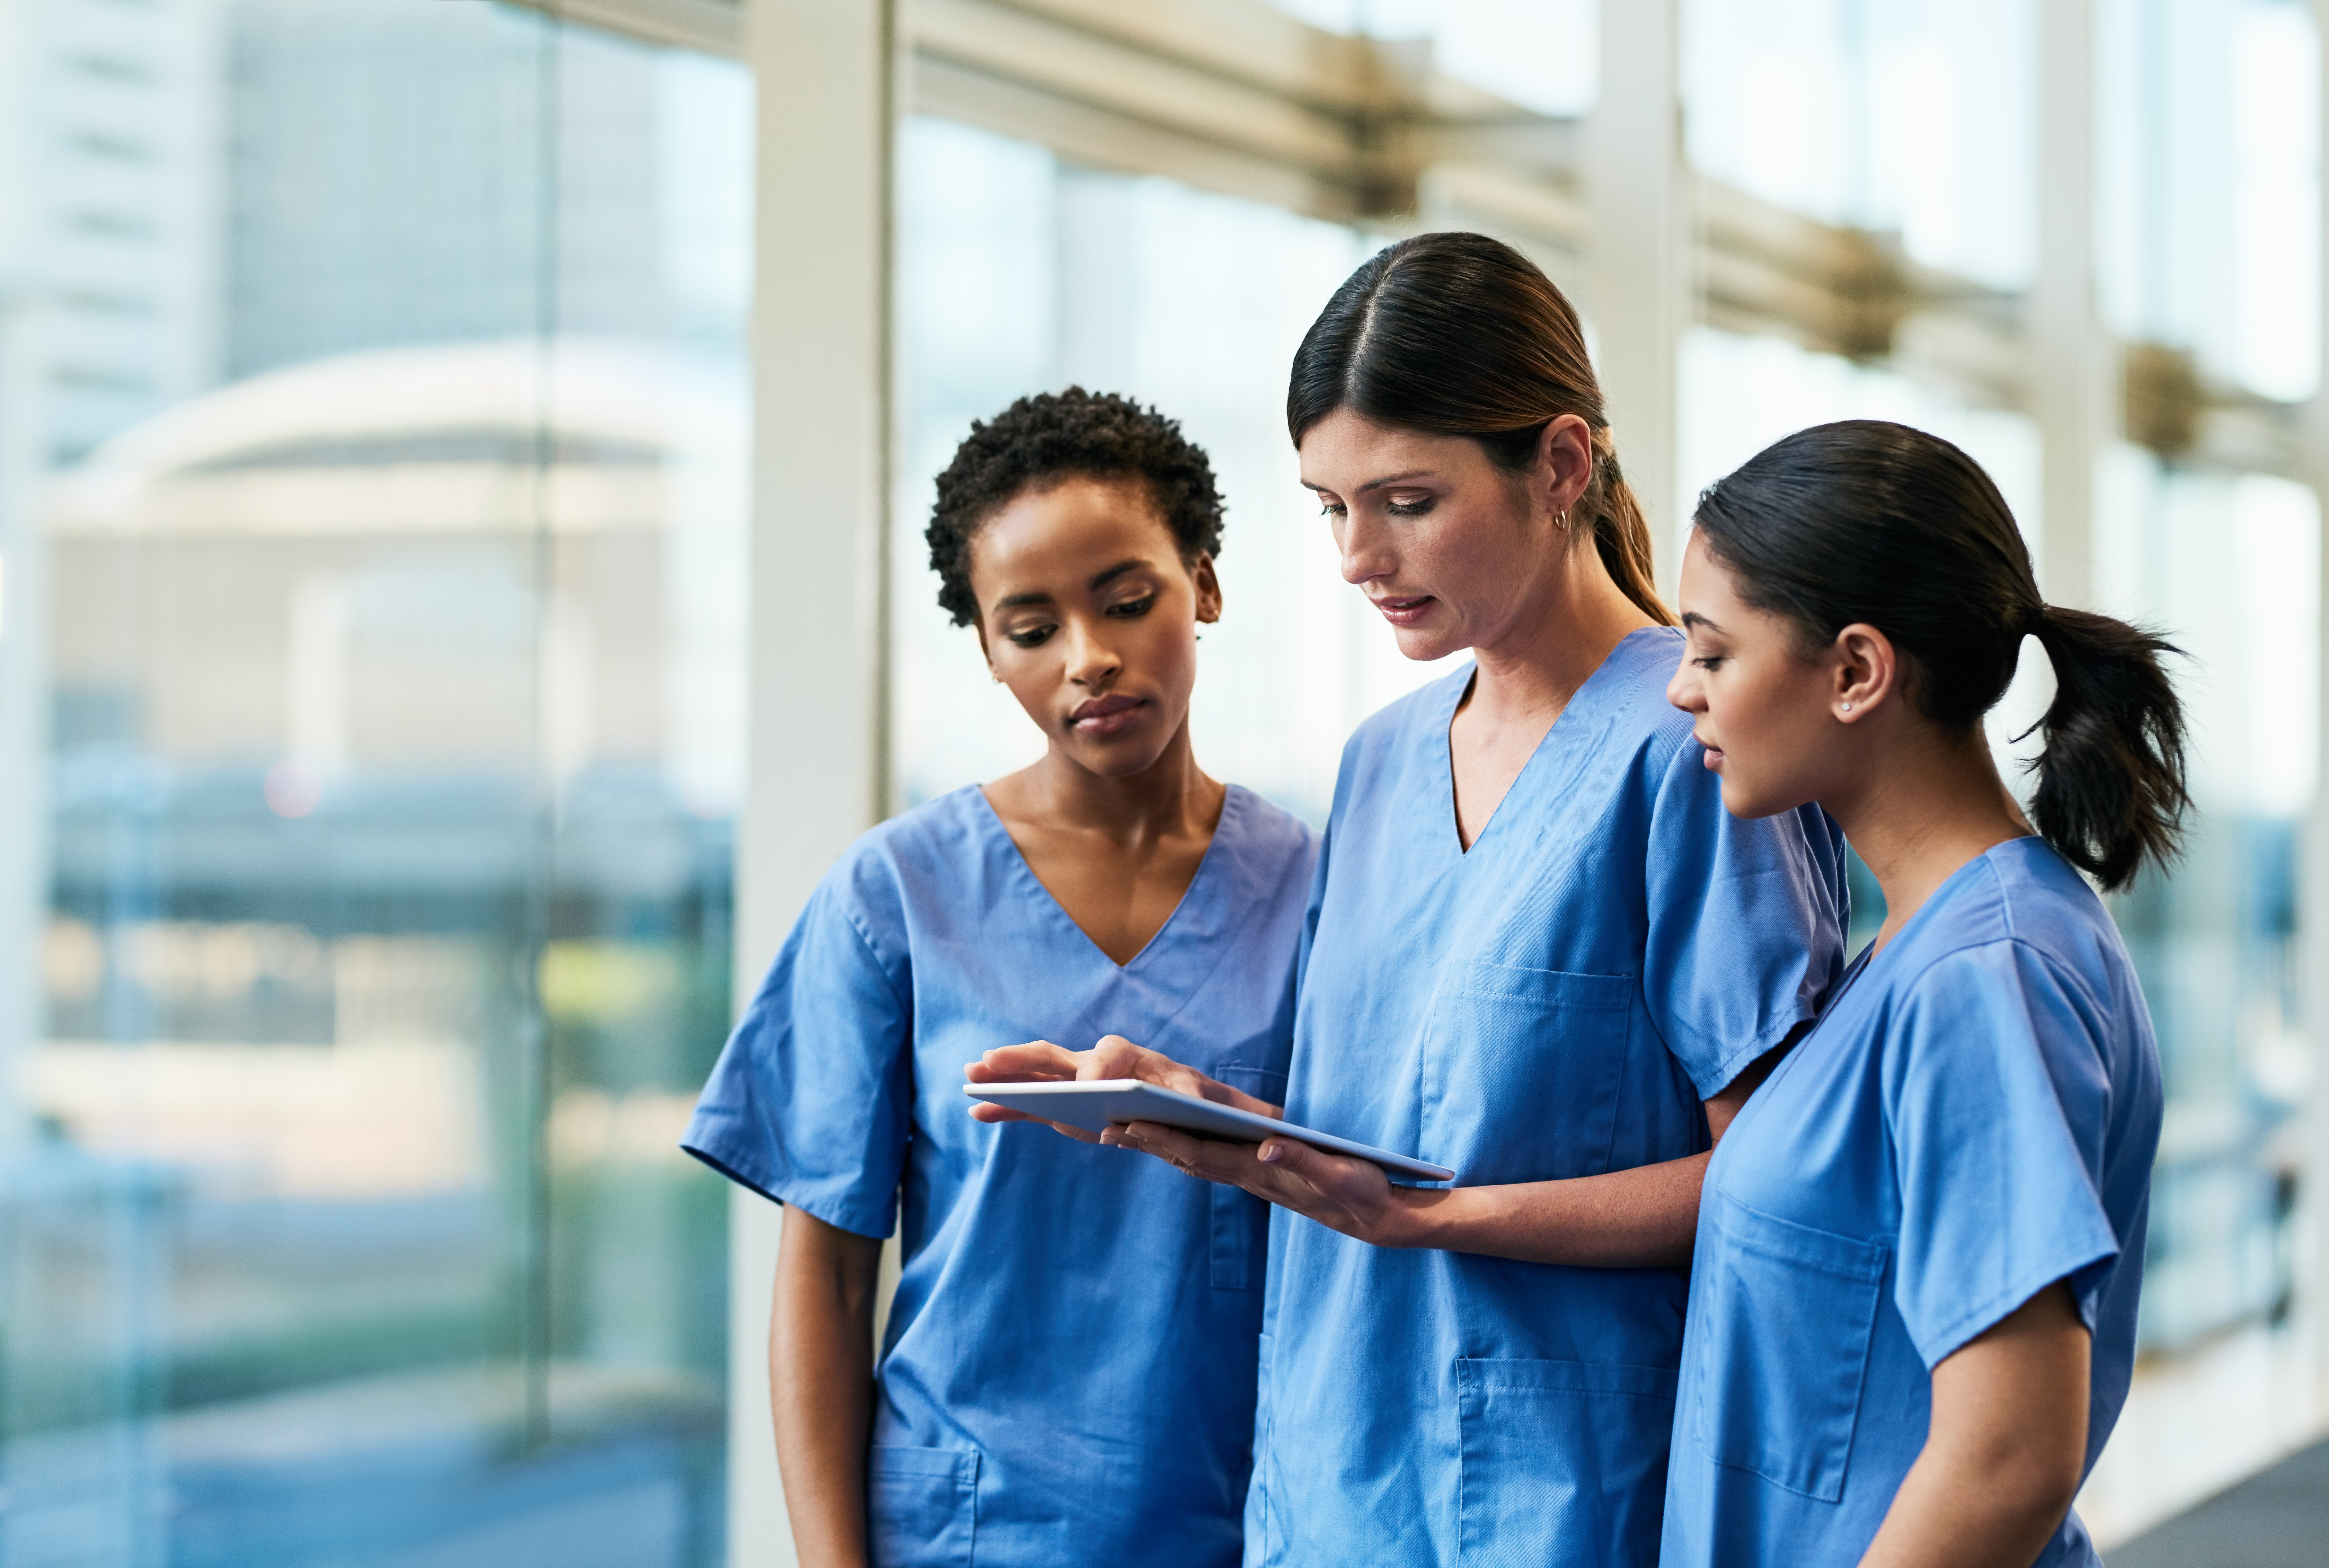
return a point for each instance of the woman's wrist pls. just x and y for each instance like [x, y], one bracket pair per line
[1415, 1218]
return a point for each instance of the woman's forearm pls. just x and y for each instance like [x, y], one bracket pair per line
[821, 1384]
[1642, 1218]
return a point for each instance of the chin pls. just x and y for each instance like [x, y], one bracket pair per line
[1126, 757]
[1424, 643]
[1747, 802]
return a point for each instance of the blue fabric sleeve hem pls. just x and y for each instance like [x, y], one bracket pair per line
[1995, 1309]
[858, 1219]
[1726, 1068]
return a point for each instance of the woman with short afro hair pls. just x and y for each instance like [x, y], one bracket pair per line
[1068, 1371]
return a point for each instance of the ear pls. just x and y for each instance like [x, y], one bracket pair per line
[1564, 462]
[1209, 587]
[1866, 673]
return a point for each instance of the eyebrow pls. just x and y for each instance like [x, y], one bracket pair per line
[1099, 581]
[1377, 483]
[1692, 618]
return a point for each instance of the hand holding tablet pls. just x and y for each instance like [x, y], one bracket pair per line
[1082, 1093]
[1098, 1103]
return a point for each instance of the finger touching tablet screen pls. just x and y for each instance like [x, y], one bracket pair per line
[1096, 1103]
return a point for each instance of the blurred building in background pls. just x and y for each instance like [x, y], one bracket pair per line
[393, 487]
[377, 397]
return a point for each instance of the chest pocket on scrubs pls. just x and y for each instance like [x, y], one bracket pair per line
[1779, 1387]
[1564, 1461]
[1240, 1228]
[1521, 1071]
[921, 1506]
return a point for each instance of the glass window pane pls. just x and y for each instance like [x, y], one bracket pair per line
[1541, 54]
[389, 548]
[1909, 115]
[2210, 185]
[1022, 274]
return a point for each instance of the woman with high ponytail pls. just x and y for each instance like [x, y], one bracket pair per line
[1541, 954]
[1913, 1296]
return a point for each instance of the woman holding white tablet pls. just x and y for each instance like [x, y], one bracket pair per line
[1069, 1367]
[1541, 954]
[1913, 1299]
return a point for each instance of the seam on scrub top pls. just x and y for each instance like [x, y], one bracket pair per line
[2007, 1300]
[1224, 946]
[1745, 1056]
[857, 929]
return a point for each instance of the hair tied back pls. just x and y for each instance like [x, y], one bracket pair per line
[1863, 520]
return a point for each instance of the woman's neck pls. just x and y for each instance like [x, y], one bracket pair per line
[1931, 803]
[1563, 633]
[1172, 795]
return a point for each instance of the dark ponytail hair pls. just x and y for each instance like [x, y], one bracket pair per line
[1877, 524]
[1458, 334]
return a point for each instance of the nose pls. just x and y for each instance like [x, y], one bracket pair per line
[1361, 547]
[1684, 690]
[1091, 661]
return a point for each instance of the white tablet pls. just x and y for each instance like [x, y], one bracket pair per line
[1096, 1104]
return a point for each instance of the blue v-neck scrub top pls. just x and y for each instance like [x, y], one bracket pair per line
[1068, 1373]
[1972, 1119]
[1556, 1003]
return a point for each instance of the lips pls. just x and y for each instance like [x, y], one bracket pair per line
[1105, 715]
[1713, 754]
[1403, 610]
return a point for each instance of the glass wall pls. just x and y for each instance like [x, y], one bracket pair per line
[1543, 54]
[2211, 262]
[1919, 119]
[381, 563]
[1023, 273]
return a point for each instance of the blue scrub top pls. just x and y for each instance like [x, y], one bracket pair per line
[1974, 1120]
[1555, 1003]
[1068, 1373]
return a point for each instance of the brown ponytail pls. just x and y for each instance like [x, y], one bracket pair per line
[1620, 532]
[1458, 334]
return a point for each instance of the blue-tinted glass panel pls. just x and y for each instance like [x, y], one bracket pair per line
[384, 545]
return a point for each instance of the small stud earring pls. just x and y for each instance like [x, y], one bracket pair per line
[1847, 708]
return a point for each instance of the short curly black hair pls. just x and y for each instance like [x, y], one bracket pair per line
[1055, 436]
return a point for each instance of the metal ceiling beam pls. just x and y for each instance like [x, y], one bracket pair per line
[708, 26]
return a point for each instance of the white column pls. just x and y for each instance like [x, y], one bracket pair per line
[2072, 383]
[1638, 274]
[818, 721]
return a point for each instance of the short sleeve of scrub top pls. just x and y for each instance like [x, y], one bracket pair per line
[814, 1112]
[1556, 1003]
[1973, 1120]
[1067, 1371]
